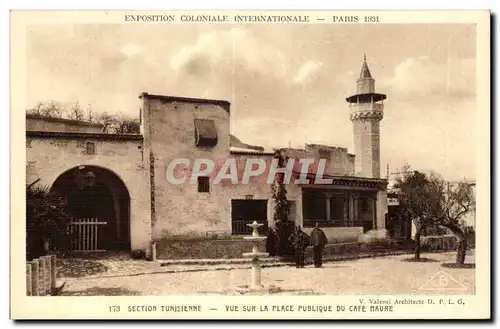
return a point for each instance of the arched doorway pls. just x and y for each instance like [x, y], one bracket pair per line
[99, 204]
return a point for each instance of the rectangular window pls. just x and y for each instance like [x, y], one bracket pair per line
[364, 212]
[90, 148]
[204, 184]
[244, 212]
[338, 210]
[205, 133]
[324, 154]
[314, 206]
[327, 208]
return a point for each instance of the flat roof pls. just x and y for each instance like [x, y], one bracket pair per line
[63, 120]
[80, 135]
[223, 103]
[241, 151]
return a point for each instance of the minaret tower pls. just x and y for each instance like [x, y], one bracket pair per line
[367, 109]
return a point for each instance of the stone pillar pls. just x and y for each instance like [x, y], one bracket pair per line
[381, 209]
[29, 283]
[35, 268]
[153, 250]
[256, 274]
[350, 220]
[328, 206]
[299, 220]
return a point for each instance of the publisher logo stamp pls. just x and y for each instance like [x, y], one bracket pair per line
[443, 281]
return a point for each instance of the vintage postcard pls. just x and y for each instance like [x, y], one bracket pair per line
[250, 165]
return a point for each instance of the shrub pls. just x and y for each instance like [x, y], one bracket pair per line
[46, 221]
[138, 254]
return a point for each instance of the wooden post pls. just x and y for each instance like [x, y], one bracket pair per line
[29, 284]
[41, 277]
[53, 272]
[35, 267]
[350, 220]
[48, 274]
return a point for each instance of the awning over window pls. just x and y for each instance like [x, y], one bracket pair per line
[205, 132]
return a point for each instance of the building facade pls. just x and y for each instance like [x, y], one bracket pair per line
[117, 186]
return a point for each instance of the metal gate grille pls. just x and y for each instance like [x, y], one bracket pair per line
[85, 233]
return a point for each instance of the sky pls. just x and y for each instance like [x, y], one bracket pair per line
[287, 84]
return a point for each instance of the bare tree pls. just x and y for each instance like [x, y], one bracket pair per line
[76, 113]
[90, 114]
[37, 109]
[107, 121]
[127, 126]
[52, 109]
[111, 123]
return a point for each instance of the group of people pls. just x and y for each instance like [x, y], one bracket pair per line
[301, 240]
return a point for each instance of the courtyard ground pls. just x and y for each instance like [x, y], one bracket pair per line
[381, 275]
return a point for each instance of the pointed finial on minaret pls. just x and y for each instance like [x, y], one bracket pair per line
[365, 71]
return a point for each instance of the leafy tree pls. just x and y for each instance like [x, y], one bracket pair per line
[46, 220]
[430, 202]
[278, 189]
[415, 196]
[284, 227]
[452, 203]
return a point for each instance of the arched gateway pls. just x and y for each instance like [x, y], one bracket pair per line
[99, 203]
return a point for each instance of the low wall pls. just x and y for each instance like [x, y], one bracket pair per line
[41, 276]
[337, 249]
[339, 234]
[234, 247]
[439, 243]
[354, 248]
[204, 248]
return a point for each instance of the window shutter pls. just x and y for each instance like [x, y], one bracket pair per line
[205, 133]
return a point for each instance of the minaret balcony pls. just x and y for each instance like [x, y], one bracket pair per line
[367, 111]
[355, 107]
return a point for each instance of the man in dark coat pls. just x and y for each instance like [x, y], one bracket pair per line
[300, 240]
[318, 241]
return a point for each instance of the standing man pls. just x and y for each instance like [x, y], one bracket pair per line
[318, 241]
[300, 240]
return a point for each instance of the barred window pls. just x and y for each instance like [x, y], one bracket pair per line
[90, 148]
[204, 184]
